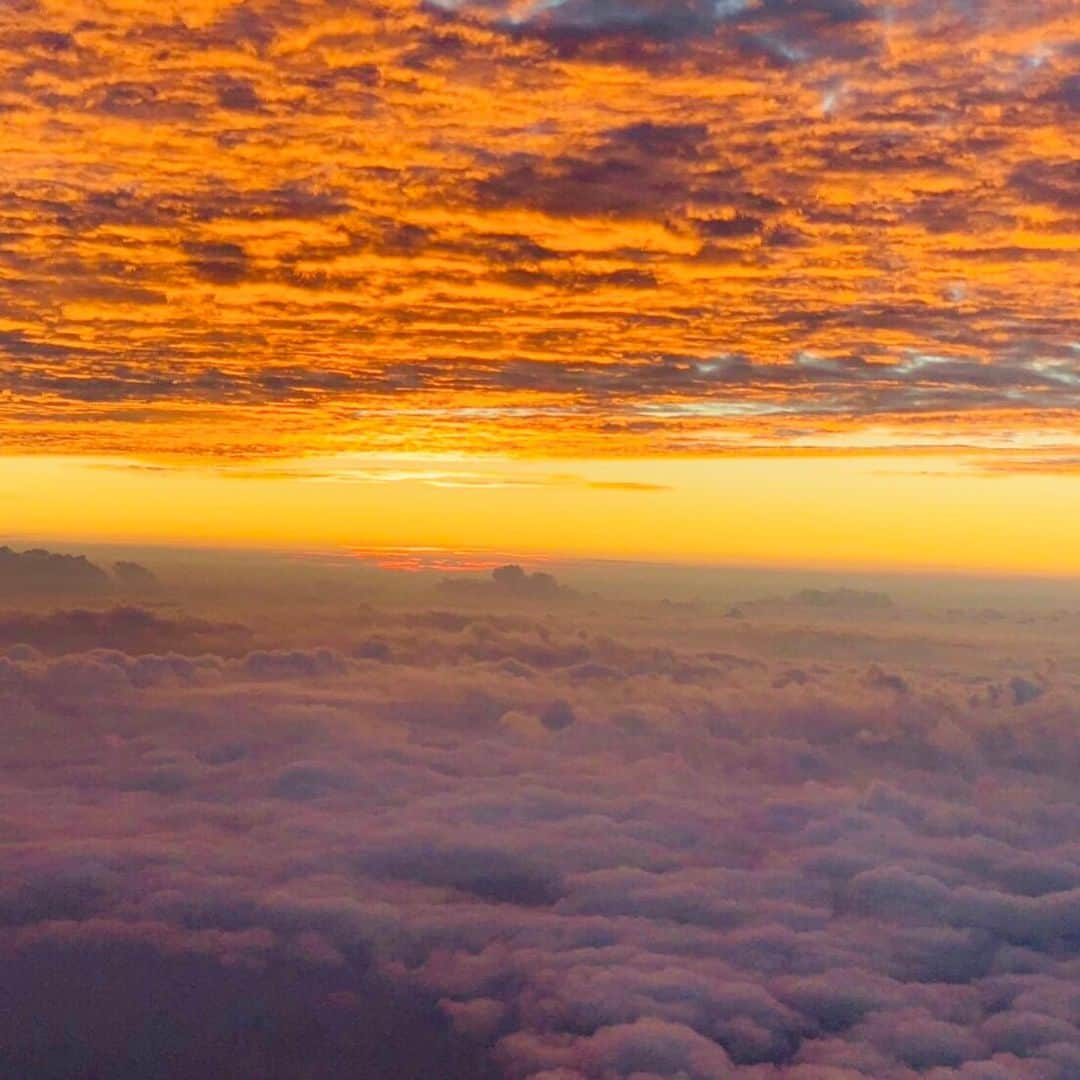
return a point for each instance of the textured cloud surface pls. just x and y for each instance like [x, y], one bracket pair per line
[648, 226]
[821, 838]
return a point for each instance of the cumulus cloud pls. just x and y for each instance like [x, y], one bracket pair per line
[575, 844]
[510, 582]
[38, 570]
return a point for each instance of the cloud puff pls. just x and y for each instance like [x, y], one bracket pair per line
[512, 583]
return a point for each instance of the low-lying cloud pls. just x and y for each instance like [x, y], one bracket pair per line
[563, 844]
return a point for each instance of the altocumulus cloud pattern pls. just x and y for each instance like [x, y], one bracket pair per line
[647, 227]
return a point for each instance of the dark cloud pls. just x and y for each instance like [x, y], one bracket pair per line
[736, 226]
[655, 392]
[490, 874]
[297, 200]
[238, 95]
[129, 99]
[222, 264]
[633, 171]
[132, 629]
[40, 571]
[134, 576]
[510, 582]
[586, 19]
[254, 1006]
[779, 31]
[1067, 93]
[1051, 183]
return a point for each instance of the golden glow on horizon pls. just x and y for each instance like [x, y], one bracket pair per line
[871, 512]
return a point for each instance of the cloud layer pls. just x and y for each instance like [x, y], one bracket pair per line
[803, 841]
[700, 224]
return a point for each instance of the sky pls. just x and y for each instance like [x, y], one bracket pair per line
[748, 281]
[539, 539]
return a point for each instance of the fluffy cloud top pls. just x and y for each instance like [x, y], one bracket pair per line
[562, 845]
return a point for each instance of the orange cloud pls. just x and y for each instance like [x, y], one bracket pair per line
[250, 230]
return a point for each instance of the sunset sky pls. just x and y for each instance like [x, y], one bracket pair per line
[755, 281]
[540, 539]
